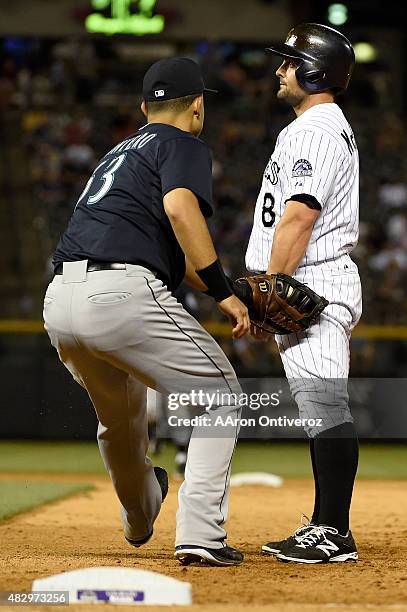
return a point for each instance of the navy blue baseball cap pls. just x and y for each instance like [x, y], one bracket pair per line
[173, 77]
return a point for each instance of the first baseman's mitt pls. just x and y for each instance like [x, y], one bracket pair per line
[279, 304]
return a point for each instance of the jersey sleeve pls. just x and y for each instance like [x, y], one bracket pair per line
[311, 167]
[187, 163]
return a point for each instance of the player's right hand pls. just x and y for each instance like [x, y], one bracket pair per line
[237, 312]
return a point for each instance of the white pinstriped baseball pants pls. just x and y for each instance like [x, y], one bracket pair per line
[316, 362]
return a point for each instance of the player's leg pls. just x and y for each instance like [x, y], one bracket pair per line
[176, 355]
[158, 430]
[153, 401]
[148, 334]
[180, 437]
[316, 364]
[119, 401]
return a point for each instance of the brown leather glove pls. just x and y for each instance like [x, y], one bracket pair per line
[278, 304]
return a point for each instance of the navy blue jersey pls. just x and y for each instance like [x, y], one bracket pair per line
[120, 215]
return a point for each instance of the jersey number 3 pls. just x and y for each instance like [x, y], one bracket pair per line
[268, 215]
[107, 177]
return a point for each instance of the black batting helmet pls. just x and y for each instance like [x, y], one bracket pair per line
[325, 57]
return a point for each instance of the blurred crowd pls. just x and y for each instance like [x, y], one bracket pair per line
[75, 99]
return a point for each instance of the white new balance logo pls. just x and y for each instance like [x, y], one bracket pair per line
[328, 547]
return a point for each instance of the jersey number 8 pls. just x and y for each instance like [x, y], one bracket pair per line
[107, 177]
[268, 215]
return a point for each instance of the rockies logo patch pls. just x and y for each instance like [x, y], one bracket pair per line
[302, 167]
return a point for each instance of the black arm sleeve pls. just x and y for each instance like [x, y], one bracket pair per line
[306, 199]
[186, 162]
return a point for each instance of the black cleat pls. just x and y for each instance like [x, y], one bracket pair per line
[322, 544]
[138, 543]
[222, 557]
[162, 478]
[275, 547]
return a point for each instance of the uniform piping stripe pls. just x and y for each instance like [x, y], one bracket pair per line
[215, 365]
[187, 335]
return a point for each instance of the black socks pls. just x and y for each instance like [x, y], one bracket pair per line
[315, 514]
[334, 457]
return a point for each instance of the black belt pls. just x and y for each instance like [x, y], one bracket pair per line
[95, 266]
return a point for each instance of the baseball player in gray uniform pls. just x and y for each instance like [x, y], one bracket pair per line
[138, 229]
[306, 225]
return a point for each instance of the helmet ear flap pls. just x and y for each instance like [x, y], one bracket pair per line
[310, 80]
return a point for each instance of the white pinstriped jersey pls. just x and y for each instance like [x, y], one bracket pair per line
[314, 155]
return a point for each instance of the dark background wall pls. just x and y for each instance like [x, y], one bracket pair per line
[40, 400]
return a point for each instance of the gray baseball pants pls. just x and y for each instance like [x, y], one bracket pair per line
[118, 331]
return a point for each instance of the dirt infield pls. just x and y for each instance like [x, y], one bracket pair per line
[85, 531]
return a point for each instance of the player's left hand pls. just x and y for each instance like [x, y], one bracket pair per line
[238, 314]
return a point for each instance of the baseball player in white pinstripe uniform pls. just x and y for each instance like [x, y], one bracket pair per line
[306, 225]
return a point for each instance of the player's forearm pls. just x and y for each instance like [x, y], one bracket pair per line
[192, 278]
[291, 237]
[289, 246]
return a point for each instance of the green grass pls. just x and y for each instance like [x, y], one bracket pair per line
[292, 460]
[51, 457]
[286, 459]
[18, 496]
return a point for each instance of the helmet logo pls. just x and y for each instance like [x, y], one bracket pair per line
[291, 40]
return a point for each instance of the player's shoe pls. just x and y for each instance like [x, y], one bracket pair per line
[275, 547]
[222, 557]
[162, 478]
[322, 544]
